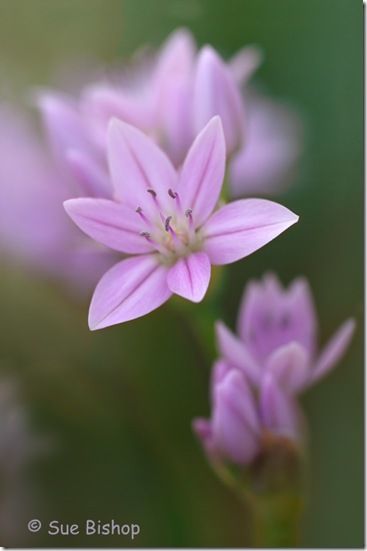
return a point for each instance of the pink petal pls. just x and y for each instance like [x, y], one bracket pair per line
[236, 353]
[63, 123]
[267, 162]
[240, 228]
[172, 83]
[189, 277]
[203, 430]
[278, 410]
[136, 165]
[202, 174]
[176, 55]
[110, 223]
[132, 288]
[244, 63]
[271, 316]
[334, 350]
[257, 297]
[102, 103]
[89, 173]
[174, 114]
[216, 93]
[219, 371]
[290, 366]
[235, 422]
[300, 305]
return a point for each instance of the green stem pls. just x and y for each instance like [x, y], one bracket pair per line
[271, 491]
[201, 324]
[276, 520]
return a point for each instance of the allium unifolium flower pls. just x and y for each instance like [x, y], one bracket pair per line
[255, 383]
[241, 420]
[171, 96]
[277, 331]
[169, 222]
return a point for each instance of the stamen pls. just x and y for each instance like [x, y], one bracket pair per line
[152, 193]
[146, 234]
[175, 196]
[188, 214]
[139, 211]
[167, 223]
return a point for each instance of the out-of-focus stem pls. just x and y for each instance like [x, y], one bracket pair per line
[276, 519]
[275, 494]
[271, 491]
[201, 323]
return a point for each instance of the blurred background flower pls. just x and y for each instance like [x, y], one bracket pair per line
[34, 230]
[260, 371]
[121, 455]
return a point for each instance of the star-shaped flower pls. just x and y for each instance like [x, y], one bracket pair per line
[169, 222]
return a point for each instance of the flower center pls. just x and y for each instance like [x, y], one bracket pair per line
[172, 233]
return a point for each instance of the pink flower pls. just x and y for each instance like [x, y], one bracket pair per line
[277, 335]
[34, 230]
[171, 97]
[154, 96]
[168, 222]
[241, 421]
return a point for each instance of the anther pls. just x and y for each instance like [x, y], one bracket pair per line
[152, 193]
[139, 211]
[167, 223]
[188, 213]
[172, 193]
[145, 234]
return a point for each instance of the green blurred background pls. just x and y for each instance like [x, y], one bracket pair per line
[118, 403]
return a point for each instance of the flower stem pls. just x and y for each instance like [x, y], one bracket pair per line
[271, 491]
[276, 519]
[202, 325]
[275, 494]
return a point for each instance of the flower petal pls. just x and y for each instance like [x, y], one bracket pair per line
[219, 371]
[110, 223]
[101, 103]
[176, 55]
[244, 63]
[271, 316]
[203, 430]
[136, 165]
[63, 123]
[278, 410]
[334, 350]
[259, 297]
[171, 86]
[132, 288]
[216, 93]
[240, 228]
[301, 311]
[236, 353]
[235, 422]
[267, 161]
[190, 276]
[89, 173]
[202, 174]
[290, 366]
